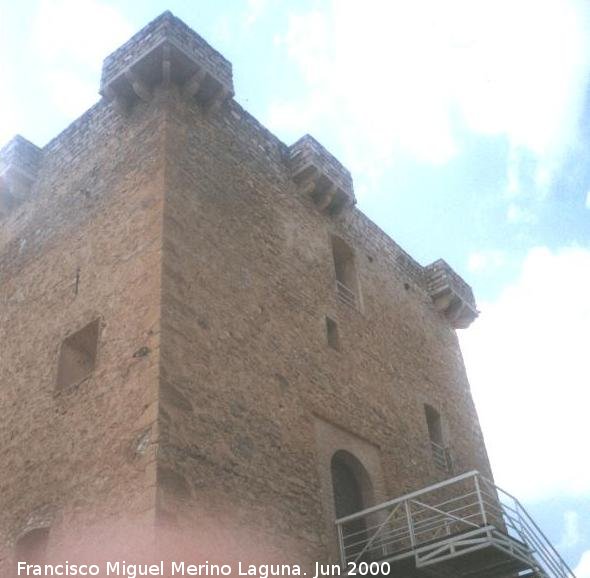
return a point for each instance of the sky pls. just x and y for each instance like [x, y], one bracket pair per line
[466, 126]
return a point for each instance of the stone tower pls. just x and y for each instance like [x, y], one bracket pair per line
[203, 339]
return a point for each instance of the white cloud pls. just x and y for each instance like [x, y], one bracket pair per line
[518, 215]
[480, 261]
[254, 10]
[73, 37]
[9, 125]
[571, 534]
[394, 77]
[8, 113]
[289, 117]
[82, 31]
[527, 359]
[71, 94]
[582, 570]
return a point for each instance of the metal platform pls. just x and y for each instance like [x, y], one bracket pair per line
[465, 527]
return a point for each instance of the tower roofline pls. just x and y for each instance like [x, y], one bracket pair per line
[167, 51]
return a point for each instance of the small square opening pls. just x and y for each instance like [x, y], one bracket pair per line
[332, 334]
[77, 356]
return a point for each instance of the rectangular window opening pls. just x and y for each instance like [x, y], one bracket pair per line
[332, 334]
[346, 274]
[77, 356]
[440, 452]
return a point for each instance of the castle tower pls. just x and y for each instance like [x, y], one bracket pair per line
[204, 342]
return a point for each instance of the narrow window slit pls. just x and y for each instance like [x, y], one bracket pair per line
[332, 334]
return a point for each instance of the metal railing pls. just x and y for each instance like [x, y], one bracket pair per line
[346, 295]
[447, 520]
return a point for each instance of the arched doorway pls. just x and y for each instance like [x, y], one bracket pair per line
[353, 492]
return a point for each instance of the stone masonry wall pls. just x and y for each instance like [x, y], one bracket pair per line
[88, 246]
[216, 402]
[248, 280]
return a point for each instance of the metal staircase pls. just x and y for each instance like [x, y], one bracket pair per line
[464, 527]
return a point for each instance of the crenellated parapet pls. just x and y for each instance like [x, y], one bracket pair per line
[163, 52]
[321, 175]
[451, 294]
[19, 164]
